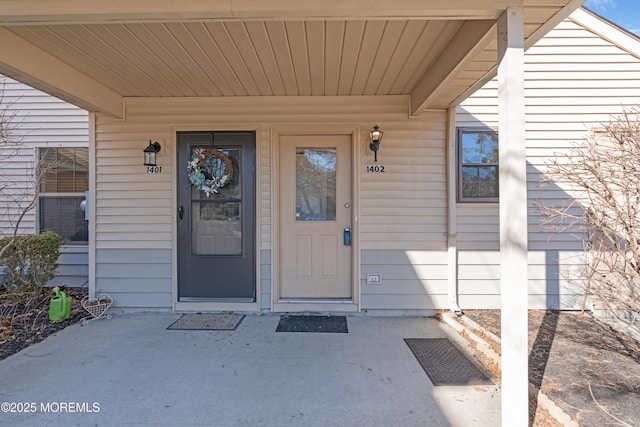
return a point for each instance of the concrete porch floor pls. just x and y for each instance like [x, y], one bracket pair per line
[130, 370]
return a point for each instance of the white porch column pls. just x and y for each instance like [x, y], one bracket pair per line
[513, 218]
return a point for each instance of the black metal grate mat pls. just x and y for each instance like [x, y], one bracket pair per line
[331, 324]
[444, 363]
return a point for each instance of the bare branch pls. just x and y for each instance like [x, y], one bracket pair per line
[602, 175]
[19, 192]
[603, 409]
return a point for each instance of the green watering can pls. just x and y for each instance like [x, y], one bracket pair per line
[60, 306]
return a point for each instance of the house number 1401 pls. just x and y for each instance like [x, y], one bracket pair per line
[378, 169]
[154, 169]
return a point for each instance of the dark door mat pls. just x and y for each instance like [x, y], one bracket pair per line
[332, 324]
[444, 363]
[207, 321]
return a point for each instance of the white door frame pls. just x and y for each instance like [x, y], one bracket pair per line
[277, 305]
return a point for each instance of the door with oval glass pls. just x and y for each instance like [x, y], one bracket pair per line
[216, 216]
[315, 217]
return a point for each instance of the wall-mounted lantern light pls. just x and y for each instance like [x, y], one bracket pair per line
[376, 140]
[150, 153]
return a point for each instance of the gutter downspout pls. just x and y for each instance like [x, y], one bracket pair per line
[452, 238]
[92, 205]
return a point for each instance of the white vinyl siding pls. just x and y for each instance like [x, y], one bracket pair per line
[402, 209]
[575, 80]
[41, 121]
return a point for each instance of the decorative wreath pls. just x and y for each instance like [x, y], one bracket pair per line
[209, 169]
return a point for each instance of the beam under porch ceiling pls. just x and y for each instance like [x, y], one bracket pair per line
[47, 11]
[32, 65]
[471, 38]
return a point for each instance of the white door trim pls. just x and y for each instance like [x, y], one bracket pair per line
[278, 305]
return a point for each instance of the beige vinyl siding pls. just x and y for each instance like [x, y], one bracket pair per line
[402, 209]
[265, 280]
[575, 80]
[41, 121]
[478, 226]
[404, 218]
[73, 267]
[479, 279]
[149, 270]
[17, 184]
[406, 206]
[411, 279]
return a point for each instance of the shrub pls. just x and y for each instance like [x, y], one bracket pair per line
[30, 261]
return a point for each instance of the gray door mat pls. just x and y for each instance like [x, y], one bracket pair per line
[207, 321]
[444, 364]
[331, 324]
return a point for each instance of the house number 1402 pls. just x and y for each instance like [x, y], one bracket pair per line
[378, 169]
[154, 169]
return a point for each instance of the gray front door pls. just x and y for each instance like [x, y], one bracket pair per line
[216, 225]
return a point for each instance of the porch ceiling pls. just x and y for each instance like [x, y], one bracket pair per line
[95, 53]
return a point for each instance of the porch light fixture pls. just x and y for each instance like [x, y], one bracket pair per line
[150, 153]
[376, 140]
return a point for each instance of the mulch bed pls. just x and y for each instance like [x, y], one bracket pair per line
[25, 324]
[590, 370]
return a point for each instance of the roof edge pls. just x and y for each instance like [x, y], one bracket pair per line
[608, 30]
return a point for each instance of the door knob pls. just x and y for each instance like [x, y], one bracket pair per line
[180, 212]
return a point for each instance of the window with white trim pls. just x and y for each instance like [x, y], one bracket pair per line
[63, 181]
[477, 165]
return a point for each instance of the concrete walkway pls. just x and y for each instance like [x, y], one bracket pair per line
[130, 370]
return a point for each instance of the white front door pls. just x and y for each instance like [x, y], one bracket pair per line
[315, 217]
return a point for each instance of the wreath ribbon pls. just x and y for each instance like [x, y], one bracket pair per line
[206, 175]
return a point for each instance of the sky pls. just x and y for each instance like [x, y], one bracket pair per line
[625, 13]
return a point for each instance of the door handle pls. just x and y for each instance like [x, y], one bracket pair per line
[347, 236]
[180, 212]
